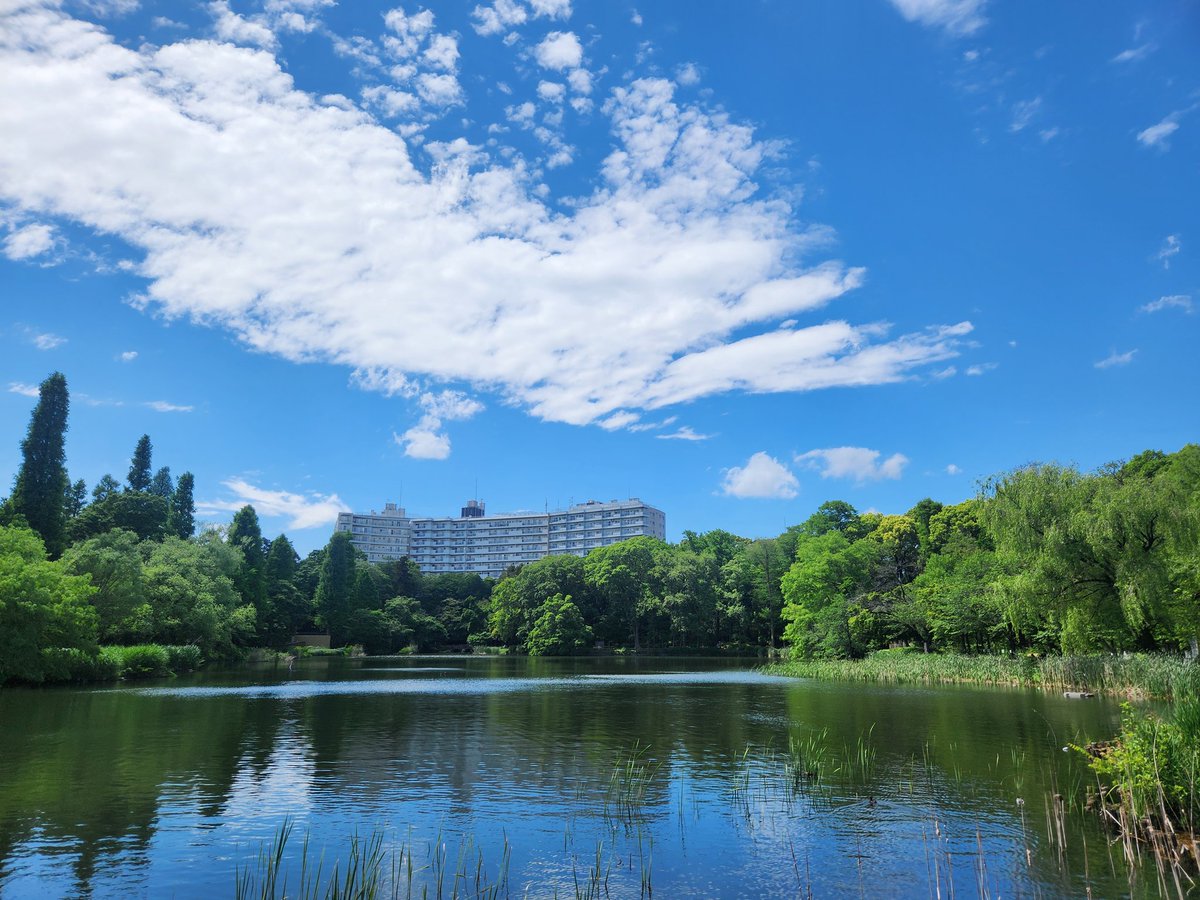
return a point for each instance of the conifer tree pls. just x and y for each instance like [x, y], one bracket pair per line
[139, 466]
[161, 484]
[335, 589]
[105, 488]
[182, 519]
[76, 498]
[40, 491]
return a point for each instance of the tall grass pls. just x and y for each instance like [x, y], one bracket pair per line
[1133, 675]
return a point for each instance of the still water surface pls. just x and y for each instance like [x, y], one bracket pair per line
[162, 789]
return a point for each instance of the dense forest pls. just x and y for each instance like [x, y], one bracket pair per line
[1046, 558]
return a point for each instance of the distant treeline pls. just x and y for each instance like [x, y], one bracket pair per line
[1046, 558]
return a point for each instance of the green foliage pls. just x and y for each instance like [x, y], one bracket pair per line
[144, 661]
[161, 484]
[143, 513]
[335, 587]
[138, 479]
[181, 519]
[76, 499]
[42, 606]
[113, 561]
[559, 629]
[105, 488]
[40, 490]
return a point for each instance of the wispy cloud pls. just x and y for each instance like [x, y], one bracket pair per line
[1157, 135]
[860, 463]
[952, 469]
[310, 510]
[1133, 54]
[25, 390]
[956, 17]
[1169, 249]
[685, 433]
[1173, 301]
[1023, 113]
[762, 477]
[45, 340]
[981, 368]
[1115, 359]
[163, 406]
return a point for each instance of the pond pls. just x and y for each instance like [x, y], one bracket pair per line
[576, 777]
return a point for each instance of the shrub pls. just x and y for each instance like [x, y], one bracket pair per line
[68, 664]
[184, 658]
[144, 661]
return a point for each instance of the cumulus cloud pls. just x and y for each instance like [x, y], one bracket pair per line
[426, 440]
[1173, 301]
[498, 17]
[952, 469]
[335, 242]
[860, 463]
[238, 29]
[1115, 359]
[955, 17]
[688, 74]
[128, 356]
[163, 406]
[302, 510]
[28, 242]
[762, 477]
[560, 50]
[25, 390]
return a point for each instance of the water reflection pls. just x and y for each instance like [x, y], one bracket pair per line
[161, 789]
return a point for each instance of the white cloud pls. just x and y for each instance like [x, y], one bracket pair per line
[980, 368]
[1171, 247]
[238, 29]
[163, 406]
[636, 18]
[311, 510]
[391, 102]
[128, 356]
[580, 81]
[684, 433]
[1174, 301]
[1133, 54]
[688, 74]
[1116, 359]
[952, 469]
[763, 476]
[426, 440]
[551, 91]
[500, 16]
[860, 463]
[956, 17]
[25, 390]
[554, 9]
[28, 242]
[560, 50]
[334, 242]
[1023, 113]
[1156, 135]
[45, 340]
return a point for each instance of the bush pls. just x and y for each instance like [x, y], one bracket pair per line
[184, 658]
[70, 664]
[144, 661]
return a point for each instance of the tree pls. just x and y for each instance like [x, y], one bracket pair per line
[559, 629]
[76, 499]
[161, 484]
[139, 466]
[141, 512]
[182, 519]
[246, 535]
[517, 598]
[105, 488]
[42, 606]
[335, 589]
[289, 609]
[113, 561]
[41, 485]
[622, 575]
[825, 592]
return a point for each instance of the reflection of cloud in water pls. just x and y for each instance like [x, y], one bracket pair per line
[298, 689]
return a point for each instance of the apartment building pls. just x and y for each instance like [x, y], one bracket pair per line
[488, 544]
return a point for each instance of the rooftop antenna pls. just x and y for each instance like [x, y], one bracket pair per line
[476, 487]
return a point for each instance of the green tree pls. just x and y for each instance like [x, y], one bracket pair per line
[245, 534]
[105, 488]
[76, 499]
[826, 594]
[41, 485]
[335, 587]
[161, 483]
[139, 466]
[289, 608]
[622, 575]
[559, 629]
[113, 561]
[42, 606]
[182, 518]
[142, 513]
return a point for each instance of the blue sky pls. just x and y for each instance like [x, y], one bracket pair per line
[734, 259]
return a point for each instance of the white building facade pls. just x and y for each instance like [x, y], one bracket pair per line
[489, 544]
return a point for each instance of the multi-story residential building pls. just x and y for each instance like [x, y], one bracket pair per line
[488, 544]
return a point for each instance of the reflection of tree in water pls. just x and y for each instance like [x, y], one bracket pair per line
[85, 772]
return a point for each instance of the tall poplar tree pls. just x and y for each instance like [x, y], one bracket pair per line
[40, 491]
[182, 519]
[246, 534]
[139, 466]
[335, 589]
